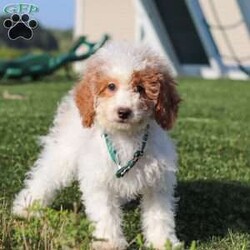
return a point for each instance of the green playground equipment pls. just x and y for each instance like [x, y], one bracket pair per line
[35, 66]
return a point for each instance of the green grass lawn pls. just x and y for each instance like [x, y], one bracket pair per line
[213, 141]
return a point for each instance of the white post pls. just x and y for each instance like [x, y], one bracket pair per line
[79, 30]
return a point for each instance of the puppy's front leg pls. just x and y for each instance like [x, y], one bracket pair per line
[103, 209]
[158, 217]
[52, 171]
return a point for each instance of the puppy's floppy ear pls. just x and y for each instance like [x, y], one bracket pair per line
[85, 102]
[168, 102]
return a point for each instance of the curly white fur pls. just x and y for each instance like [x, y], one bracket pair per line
[73, 151]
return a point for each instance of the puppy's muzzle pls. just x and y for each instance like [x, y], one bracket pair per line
[124, 113]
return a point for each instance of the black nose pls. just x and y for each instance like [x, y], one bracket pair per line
[124, 113]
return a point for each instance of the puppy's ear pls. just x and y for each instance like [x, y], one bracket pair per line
[168, 102]
[85, 102]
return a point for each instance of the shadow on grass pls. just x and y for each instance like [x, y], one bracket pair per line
[211, 208]
[205, 209]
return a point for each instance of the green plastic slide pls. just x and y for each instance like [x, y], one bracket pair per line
[36, 66]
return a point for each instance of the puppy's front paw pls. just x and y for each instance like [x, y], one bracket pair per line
[177, 246]
[103, 245]
[172, 243]
[108, 245]
[25, 205]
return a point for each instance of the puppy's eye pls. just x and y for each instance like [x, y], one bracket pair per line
[139, 89]
[112, 86]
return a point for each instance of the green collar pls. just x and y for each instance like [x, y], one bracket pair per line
[122, 170]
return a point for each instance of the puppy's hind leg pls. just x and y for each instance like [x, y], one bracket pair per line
[53, 170]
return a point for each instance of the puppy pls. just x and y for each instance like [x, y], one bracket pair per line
[110, 133]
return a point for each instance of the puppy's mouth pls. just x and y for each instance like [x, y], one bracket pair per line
[129, 121]
[123, 121]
